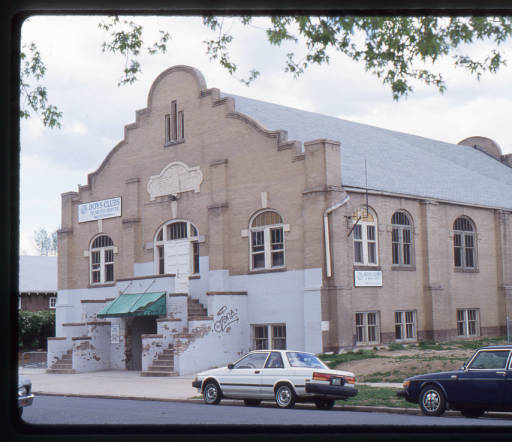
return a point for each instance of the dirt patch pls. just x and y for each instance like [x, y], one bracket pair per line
[395, 366]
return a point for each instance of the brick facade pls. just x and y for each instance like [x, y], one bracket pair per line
[247, 169]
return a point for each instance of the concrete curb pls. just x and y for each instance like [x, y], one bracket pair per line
[228, 402]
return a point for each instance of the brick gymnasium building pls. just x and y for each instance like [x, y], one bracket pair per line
[221, 224]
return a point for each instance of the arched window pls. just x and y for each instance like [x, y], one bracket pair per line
[402, 239]
[101, 256]
[464, 244]
[266, 241]
[365, 237]
[176, 244]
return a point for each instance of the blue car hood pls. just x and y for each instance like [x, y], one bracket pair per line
[437, 375]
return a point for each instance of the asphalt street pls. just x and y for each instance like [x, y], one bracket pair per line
[61, 410]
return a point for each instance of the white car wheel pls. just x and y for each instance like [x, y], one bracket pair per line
[285, 396]
[211, 393]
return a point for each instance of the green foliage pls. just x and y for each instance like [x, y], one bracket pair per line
[377, 397]
[126, 38]
[34, 98]
[394, 346]
[399, 50]
[332, 360]
[35, 327]
[430, 345]
[472, 344]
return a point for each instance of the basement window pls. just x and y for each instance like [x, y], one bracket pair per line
[468, 322]
[269, 336]
[367, 328]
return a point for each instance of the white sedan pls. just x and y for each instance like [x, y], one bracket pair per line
[283, 375]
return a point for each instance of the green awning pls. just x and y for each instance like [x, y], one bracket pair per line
[135, 304]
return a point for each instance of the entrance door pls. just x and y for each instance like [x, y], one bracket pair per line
[177, 261]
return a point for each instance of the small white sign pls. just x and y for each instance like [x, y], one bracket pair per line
[368, 278]
[114, 334]
[99, 210]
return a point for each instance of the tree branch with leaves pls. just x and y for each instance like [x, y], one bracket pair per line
[399, 50]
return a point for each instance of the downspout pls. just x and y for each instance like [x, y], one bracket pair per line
[326, 234]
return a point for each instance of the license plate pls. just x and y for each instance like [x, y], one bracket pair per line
[335, 381]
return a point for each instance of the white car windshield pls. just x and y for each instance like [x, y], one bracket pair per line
[297, 359]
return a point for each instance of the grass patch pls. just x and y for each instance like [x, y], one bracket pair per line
[333, 360]
[394, 347]
[377, 397]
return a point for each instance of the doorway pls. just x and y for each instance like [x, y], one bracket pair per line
[135, 328]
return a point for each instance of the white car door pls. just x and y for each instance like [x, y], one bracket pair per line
[273, 371]
[244, 379]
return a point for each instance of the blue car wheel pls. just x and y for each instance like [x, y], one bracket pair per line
[432, 401]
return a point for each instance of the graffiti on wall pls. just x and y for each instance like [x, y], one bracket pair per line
[224, 318]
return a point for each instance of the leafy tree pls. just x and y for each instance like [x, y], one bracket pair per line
[34, 98]
[34, 328]
[46, 243]
[399, 50]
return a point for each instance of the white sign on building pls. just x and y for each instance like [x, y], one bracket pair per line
[368, 278]
[99, 210]
[114, 334]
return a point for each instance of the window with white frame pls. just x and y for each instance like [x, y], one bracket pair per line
[52, 302]
[405, 325]
[173, 231]
[266, 241]
[365, 237]
[401, 239]
[367, 328]
[464, 243]
[269, 336]
[101, 259]
[468, 322]
[174, 124]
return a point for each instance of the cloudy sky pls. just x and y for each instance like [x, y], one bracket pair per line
[82, 82]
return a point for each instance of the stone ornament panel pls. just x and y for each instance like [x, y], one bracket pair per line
[174, 179]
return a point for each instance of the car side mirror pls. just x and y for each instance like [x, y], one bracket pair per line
[230, 366]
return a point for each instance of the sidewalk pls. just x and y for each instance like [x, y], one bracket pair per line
[123, 384]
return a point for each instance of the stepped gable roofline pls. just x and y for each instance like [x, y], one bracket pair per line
[192, 71]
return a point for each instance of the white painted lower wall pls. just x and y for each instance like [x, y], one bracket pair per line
[217, 341]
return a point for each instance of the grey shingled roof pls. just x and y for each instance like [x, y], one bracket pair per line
[38, 274]
[396, 162]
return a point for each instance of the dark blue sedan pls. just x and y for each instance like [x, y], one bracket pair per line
[483, 383]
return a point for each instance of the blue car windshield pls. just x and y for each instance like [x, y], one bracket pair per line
[298, 359]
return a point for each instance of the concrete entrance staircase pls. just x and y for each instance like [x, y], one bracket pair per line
[195, 309]
[163, 364]
[63, 365]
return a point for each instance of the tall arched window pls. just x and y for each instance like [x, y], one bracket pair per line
[101, 256]
[176, 243]
[365, 237]
[402, 239]
[266, 241]
[464, 244]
